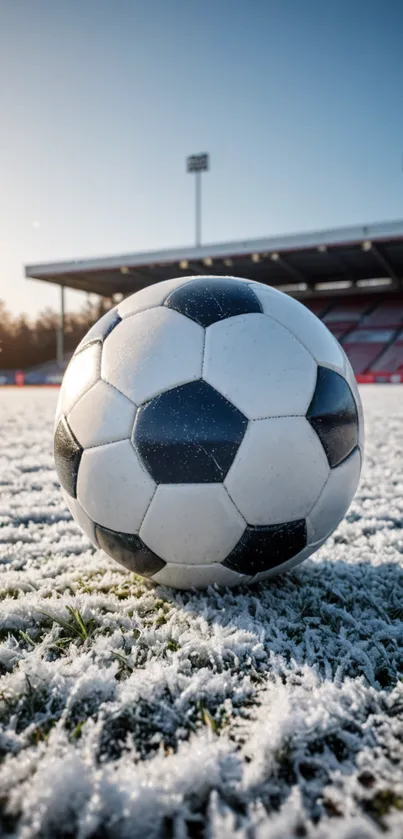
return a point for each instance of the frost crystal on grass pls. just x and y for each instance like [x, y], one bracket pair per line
[129, 710]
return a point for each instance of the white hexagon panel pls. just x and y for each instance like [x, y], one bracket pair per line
[259, 366]
[335, 498]
[198, 576]
[352, 383]
[192, 524]
[279, 471]
[80, 516]
[303, 324]
[101, 329]
[113, 488]
[103, 415]
[151, 352]
[82, 373]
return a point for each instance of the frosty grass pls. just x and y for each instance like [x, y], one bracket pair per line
[128, 710]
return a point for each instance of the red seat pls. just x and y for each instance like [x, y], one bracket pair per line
[391, 360]
[387, 313]
[338, 333]
[361, 355]
[347, 311]
[317, 306]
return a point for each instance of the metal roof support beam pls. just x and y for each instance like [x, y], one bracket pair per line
[295, 273]
[385, 264]
[200, 268]
[341, 265]
[145, 276]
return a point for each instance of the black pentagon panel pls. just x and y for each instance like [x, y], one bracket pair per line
[113, 322]
[67, 453]
[101, 329]
[129, 550]
[333, 415]
[262, 548]
[208, 301]
[189, 434]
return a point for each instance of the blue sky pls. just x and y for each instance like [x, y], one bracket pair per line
[298, 103]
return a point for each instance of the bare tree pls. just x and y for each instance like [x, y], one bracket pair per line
[25, 342]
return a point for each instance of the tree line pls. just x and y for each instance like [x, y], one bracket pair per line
[26, 342]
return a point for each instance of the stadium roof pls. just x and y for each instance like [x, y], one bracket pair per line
[348, 259]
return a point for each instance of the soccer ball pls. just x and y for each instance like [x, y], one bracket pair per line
[208, 430]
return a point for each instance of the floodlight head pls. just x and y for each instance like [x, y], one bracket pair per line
[198, 162]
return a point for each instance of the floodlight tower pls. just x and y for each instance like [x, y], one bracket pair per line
[198, 163]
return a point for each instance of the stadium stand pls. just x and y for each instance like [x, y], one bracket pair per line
[374, 325]
[348, 310]
[49, 373]
[352, 278]
[373, 344]
[370, 329]
[7, 377]
[343, 315]
[389, 312]
[391, 359]
[319, 307]
[363, 346]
